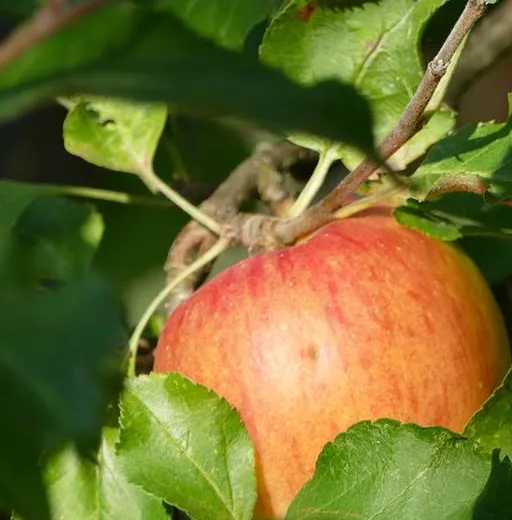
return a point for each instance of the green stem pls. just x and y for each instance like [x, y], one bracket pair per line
[152, 180]
[106, 195]
[327, 157]
[395, 193]
[220, 246]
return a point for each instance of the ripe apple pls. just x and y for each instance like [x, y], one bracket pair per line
[365, 319]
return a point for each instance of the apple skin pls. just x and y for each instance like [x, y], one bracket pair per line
[365, 319]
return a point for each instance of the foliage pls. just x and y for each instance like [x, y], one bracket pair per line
[160, 86]
[201, 457]
[376, 49]
[407, 471]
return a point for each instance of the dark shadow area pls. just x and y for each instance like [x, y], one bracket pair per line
[495, 501]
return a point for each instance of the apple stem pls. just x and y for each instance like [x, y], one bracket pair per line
[220, 246]
[315, 182]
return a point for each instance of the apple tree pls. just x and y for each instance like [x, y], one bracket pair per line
[200, 136]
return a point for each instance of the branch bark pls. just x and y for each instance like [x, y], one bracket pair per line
[265, 232]
[288, 231]
[261, 173]
[51, 18]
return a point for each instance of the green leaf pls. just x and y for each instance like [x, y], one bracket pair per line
[182, 443]
[434, 226]
[456, 215]
[115, 134]
[82, 488]
[19, 8]
[60, 353]
[495, 502]
[475, 158]
[124, 51]
[490, 426]
[61, 331]
[54, 240]
[44, 238]
[436, 126]
[14, 197]
[228, 22]
[375, 48]
[384, 470]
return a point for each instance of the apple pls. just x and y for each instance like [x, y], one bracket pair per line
[363, 320]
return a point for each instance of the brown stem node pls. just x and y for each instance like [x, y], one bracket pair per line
[261, 173]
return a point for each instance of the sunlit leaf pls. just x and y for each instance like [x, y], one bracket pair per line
[387, 471]
[115, 134]
[84, 488]
[182, 443]
[490, 426]
[477, 158]
[374, 47]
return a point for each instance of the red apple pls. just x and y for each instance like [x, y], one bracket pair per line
[365, 319]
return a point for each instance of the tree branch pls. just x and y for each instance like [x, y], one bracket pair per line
[287, 231]
[51, 18]
[261, 173]
[264, 231]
